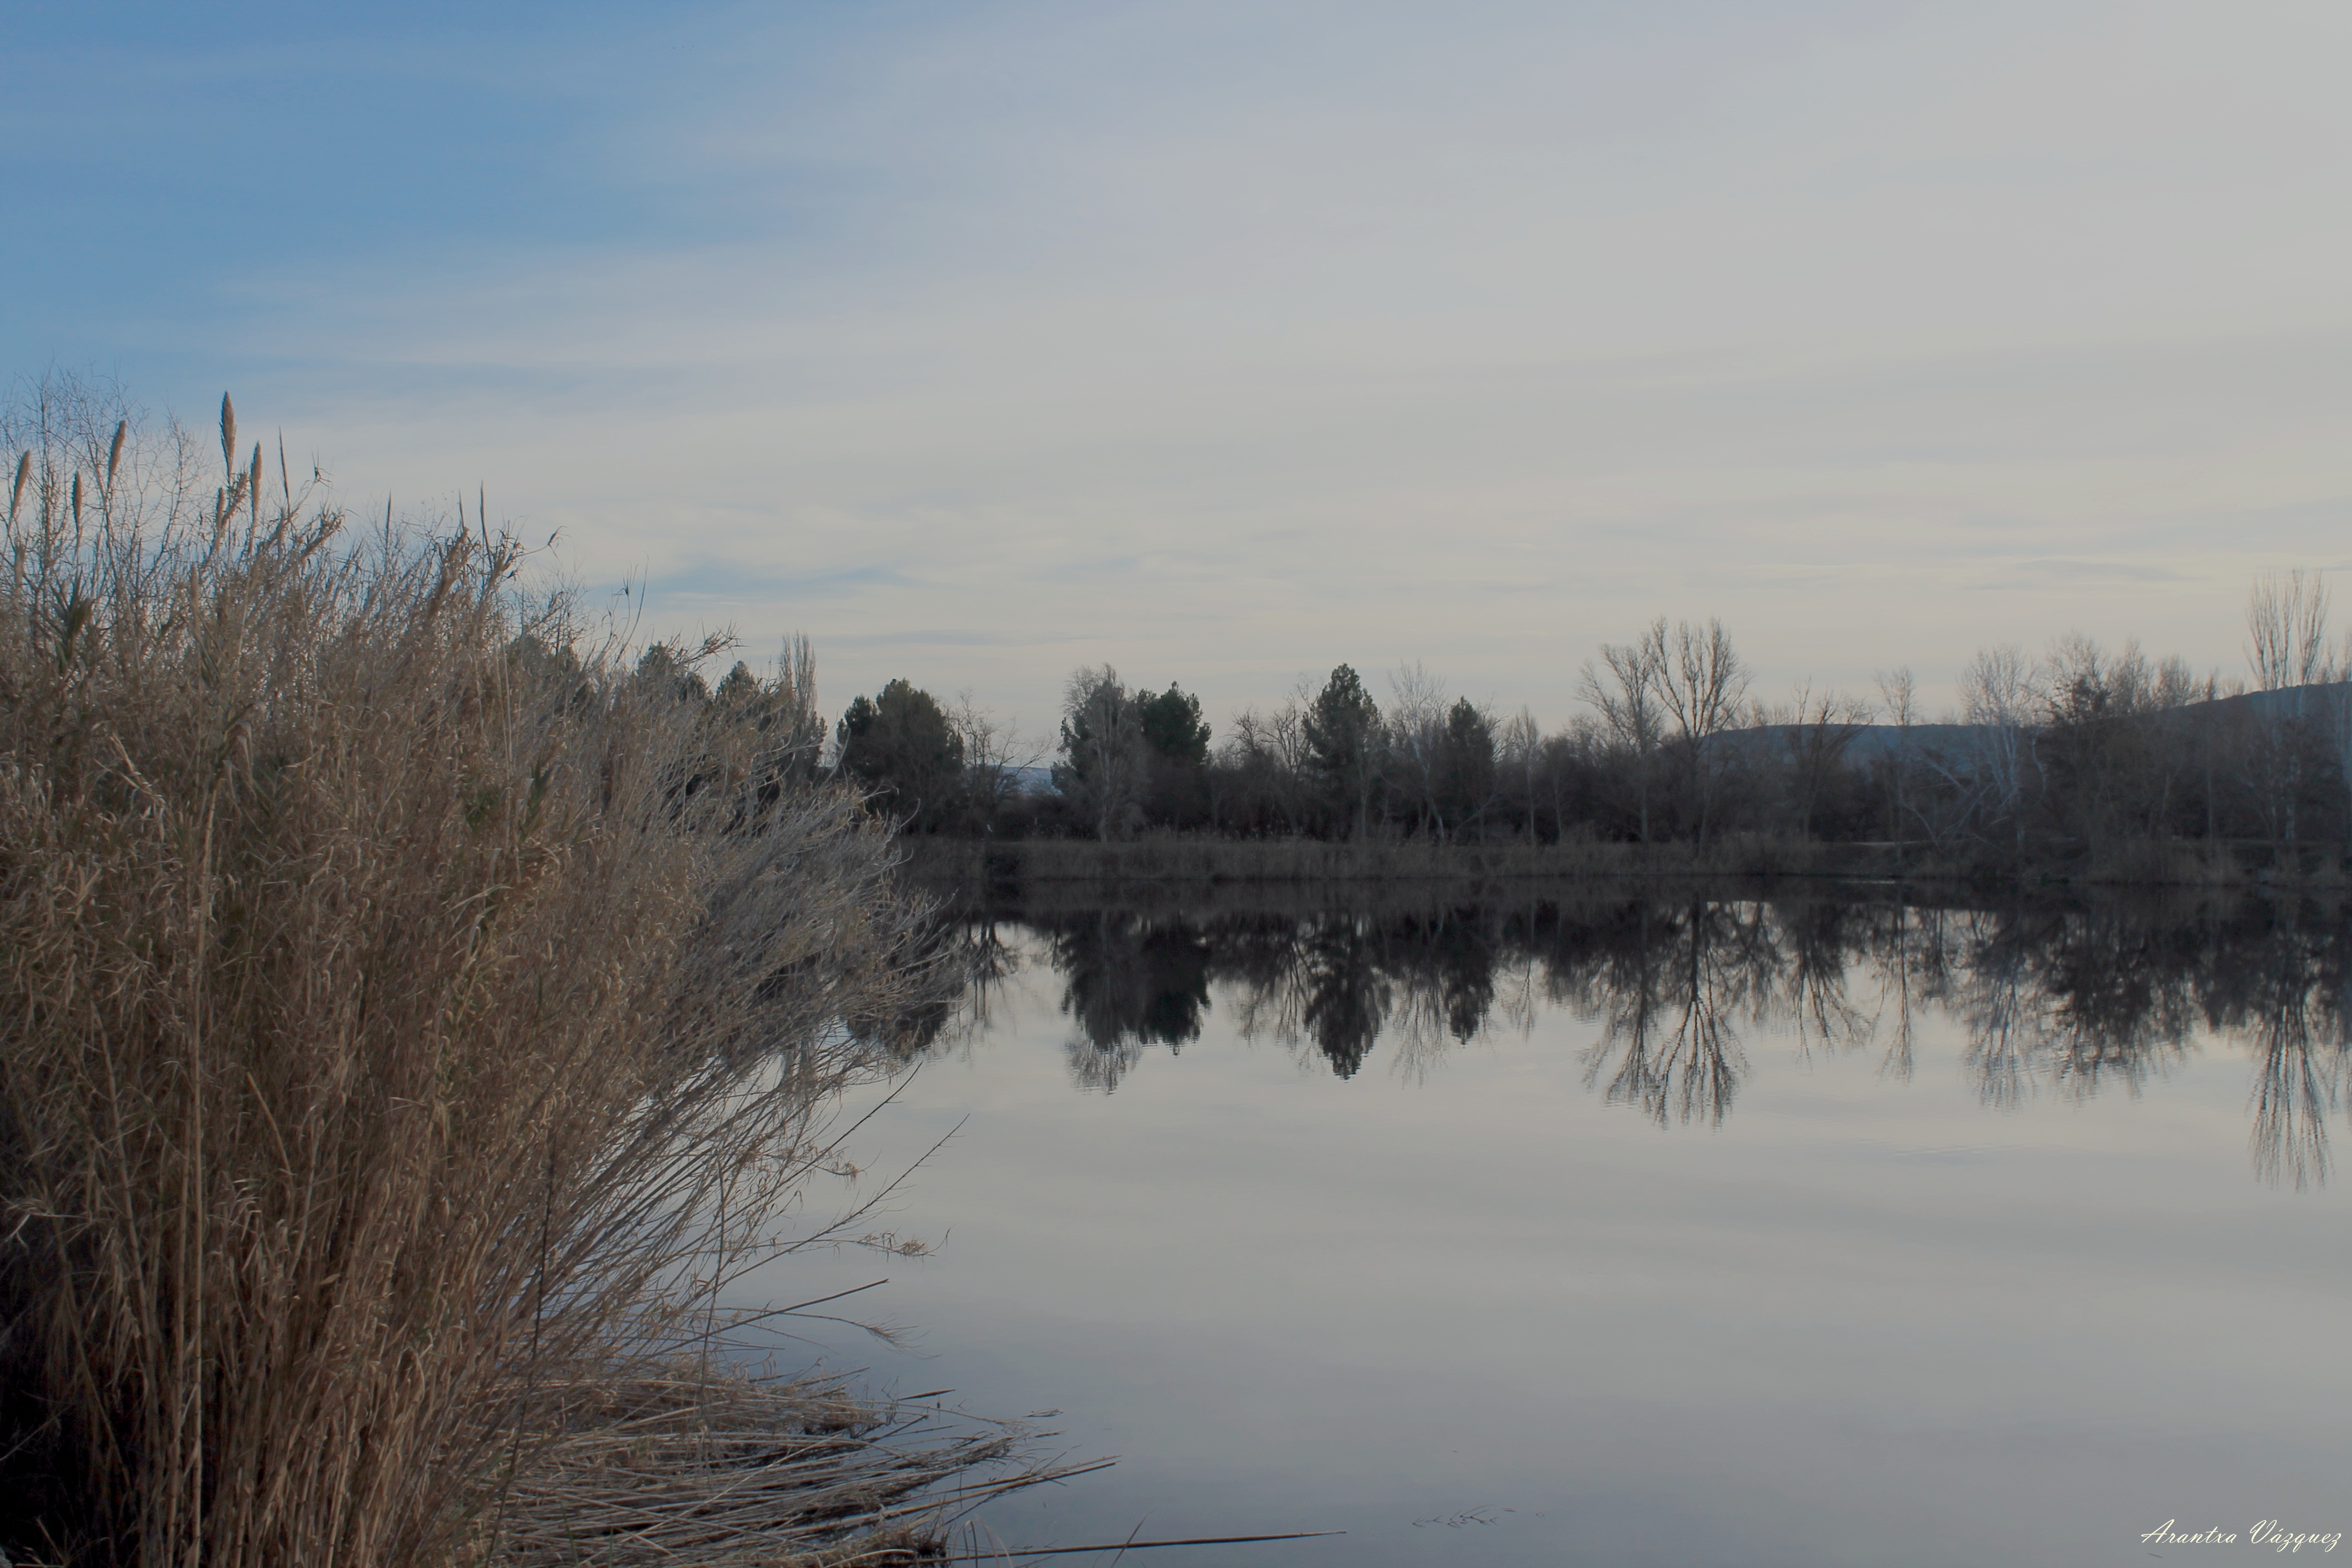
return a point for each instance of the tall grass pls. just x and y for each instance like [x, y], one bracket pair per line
[400, 1004]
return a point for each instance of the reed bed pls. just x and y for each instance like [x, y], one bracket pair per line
[411, 1018]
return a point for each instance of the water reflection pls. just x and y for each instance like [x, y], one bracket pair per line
[2053, 1001]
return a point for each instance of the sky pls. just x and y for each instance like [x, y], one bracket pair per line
[1226, 343]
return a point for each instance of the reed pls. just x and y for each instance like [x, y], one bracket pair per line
[409, 1020]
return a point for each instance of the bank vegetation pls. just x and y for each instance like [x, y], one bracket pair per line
[414, 1015]
[2085, 762]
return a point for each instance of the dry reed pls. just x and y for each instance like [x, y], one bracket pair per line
[401, 1003]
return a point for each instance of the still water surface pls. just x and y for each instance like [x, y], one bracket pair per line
[1705, 1232]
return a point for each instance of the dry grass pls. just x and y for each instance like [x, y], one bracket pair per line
[1207, 859]
[691, 1469]
[2168, 863]
[1203, 860]
[399, 1003]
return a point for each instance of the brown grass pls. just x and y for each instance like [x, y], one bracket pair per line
[2168, 863]
[400, 1005]
[1205, 858]
[1202, 861]
[688, 1469]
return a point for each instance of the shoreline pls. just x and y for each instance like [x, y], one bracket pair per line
[1001, 867]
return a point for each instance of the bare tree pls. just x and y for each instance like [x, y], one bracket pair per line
[1818, 731]
[781, 711]
[2175, 726]
[1269, 757]
[1103, 751]
[996, 756]
[1997, 695]
[1626, 698]
[801, 729]
[1521, 746]
[1901, 695]
[1701, 682]
[2287, 630]
[1416, 724]
[2101, 735]
[2286, 644]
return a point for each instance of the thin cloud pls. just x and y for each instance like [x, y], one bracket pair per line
[1482, 337]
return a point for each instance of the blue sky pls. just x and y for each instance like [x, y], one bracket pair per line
[1227, 341]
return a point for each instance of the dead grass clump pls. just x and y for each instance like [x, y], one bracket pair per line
[733, 1471]
[397, 994]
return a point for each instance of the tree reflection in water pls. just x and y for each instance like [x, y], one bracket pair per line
[1669, 1001]
[2072, 1001]
[1129, 983]
[2292, 1009]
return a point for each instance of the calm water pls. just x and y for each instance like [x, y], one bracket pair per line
[1694, 1233]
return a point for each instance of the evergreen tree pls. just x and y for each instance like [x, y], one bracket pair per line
[1466, 766]
[664, 665]
[1173, 728]
[1343, 740]
[901, 748]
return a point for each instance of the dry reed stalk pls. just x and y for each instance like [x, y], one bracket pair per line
[720, 1472]
[398, 1000]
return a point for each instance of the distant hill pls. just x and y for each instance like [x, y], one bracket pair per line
[1872, 740]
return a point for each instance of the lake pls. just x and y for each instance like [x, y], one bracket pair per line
[1584, 1229]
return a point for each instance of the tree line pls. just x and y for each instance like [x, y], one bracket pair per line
[2083, 745]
